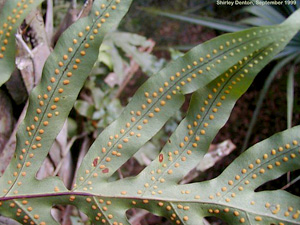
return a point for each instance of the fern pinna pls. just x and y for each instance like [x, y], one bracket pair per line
[217, 72]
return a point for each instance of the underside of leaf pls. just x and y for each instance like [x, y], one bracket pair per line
[217, 72]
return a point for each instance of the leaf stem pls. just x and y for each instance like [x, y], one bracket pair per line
[8, 198]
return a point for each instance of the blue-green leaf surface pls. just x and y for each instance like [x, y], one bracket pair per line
[217, 72]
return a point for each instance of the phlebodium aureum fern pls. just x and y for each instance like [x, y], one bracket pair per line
[217, 72]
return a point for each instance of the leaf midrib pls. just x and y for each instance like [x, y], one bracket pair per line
[169, 201]
[257, 168]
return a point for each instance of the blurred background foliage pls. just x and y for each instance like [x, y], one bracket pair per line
[152, 33]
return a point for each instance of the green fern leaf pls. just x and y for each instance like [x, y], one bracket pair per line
[51, 101]
[11, 17]
[156, 100]
[218, 72]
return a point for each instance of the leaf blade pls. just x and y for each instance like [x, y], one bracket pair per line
[185, 75]
[51, 101]
[11, 17]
